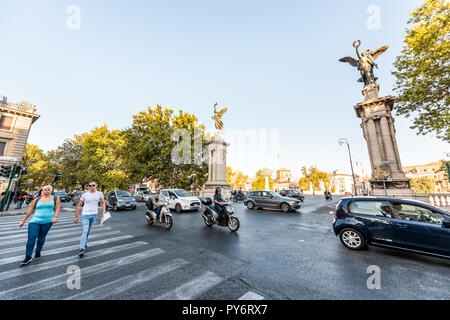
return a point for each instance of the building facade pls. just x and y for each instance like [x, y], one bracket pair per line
[430, 170]
[15, 123]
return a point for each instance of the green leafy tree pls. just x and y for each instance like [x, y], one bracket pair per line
[149, 148]
[102, 158]
[38, 166]
[236, 178]
[423, 185]
[260, 182]
[314, 176]
[423, 70]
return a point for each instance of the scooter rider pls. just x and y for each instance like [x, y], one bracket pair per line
[327, 194]
[240, 194]
[219, 203]
[153, 205]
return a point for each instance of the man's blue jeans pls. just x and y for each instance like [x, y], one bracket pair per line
[87, 220]
[36, 231]
[19, 204]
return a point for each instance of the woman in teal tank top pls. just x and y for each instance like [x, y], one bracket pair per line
[46, 213]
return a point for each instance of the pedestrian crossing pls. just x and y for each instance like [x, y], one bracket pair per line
[116, 266]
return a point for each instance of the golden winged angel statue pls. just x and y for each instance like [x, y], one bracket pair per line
[366, 62]
[218, 117]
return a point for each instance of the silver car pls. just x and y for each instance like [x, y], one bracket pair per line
[270, 199]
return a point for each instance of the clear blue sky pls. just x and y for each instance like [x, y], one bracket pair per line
[274, 64]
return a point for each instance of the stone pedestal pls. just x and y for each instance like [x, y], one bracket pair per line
[379, 132]
[217, 167]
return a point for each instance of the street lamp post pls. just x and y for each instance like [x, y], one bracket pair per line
[342, 141]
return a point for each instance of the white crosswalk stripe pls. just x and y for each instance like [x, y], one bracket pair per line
[128, 282]
[50, 236]
[66, 249]
[91, 236]
[16, 224]
[193, 288]
[116, 263]
[20, 232]
[251, 296]
[55, 281]
[69, 260]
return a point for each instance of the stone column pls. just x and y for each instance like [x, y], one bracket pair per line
[388, 145]
[373, 140]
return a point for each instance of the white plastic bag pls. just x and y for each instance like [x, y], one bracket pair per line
[105, 217]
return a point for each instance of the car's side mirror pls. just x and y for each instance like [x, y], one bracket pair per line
[446, 223]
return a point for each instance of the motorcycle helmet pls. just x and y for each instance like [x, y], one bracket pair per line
[218, 189]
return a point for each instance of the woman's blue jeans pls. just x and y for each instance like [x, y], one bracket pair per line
[87, 220]
[36, 231]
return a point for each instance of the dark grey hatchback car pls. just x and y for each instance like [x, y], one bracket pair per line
[270, 199]
[393, 223]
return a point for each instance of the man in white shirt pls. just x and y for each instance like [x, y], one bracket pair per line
[90, 199]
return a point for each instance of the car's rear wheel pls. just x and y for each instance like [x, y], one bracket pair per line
[285, 207]
[352, 239]
[178, 208]
[250, 205]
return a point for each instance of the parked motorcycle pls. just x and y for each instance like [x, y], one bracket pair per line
[238, 197]
[165, 216]
[210, 216]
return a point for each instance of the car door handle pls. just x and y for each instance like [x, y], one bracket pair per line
[401, 225]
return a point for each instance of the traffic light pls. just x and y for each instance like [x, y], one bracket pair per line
[57, 176]
[6, 170]
[17, 172]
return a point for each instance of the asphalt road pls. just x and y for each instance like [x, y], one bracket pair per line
[273, 255]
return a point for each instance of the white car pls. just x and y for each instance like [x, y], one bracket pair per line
[143, 195]
[179, 200]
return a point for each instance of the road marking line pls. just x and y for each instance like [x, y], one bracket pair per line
[21, 232]
[69, 260]
[56, 281]
[93, 236]
[128, 282]
[251, 296]
[50, 236]
[4, 226]
[67, 248]
[24, 232]
[193, 288]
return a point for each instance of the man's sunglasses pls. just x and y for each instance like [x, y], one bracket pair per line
[92, 185]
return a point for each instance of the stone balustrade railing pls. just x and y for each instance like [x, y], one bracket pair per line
[441, 200]
[17, 107]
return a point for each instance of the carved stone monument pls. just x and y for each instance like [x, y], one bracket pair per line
[378, 128]
[217, 160]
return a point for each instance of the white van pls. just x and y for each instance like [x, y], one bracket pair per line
[179, 200]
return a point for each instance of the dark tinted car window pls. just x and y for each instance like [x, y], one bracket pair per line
[371, 208]
[415, 213]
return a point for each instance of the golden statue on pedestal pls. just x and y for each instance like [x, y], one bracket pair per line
[218, 117]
